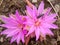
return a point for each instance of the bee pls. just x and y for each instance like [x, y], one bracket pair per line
[40, 15]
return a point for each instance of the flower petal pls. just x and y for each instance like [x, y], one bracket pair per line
[13, 39]
[8, 26]
[29, 11]
[22, 38]
[31, 30]
[18, 38]
[34, 12]
[46, 25]
[47, 11]
[12, 33]
[41, 8]
[7, 20]
[48, 31]
[18, 16]
[37, 32]
[7, 31]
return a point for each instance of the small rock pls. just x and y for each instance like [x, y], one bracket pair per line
[1, 2]
[57, 8]
[1, 39]
[34, 1]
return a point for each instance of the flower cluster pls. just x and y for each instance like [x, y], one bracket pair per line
[37, 23]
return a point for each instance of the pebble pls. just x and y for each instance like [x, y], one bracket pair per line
[34, 1]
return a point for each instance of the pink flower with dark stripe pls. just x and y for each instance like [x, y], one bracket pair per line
[41, 21]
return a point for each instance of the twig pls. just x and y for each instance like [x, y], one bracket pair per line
[29, 3]
[53, 7]
[15, 1]
[1, 2]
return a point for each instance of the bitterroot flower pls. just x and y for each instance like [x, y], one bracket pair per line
[41, 25]
[14, 24]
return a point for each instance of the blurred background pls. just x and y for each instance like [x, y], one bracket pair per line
[9, 6]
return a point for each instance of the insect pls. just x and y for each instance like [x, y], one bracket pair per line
[40, 15]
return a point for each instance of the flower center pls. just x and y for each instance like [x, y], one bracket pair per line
[21, 25]
[27, 27]
[23, 18]
[37, 23]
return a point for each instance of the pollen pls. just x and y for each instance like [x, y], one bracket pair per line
[24, 19]
[27, 27]
[37, 23]
[20, 25]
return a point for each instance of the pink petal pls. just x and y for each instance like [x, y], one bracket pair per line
[37, 32]
[34, 12]
[53, 15]
[7, 20]
[13, 39]
[18, 16]
[19, 38]
[8, 26]
[29, 11]
[31, 30]
[7, 31]
[46, 25]
[54, 26]
[22, 37]
[49, 32]
[14, 18]
[48, 11]
[12, 33]
[29, 23]
[50, 20]
[41, 8]
[42, 31]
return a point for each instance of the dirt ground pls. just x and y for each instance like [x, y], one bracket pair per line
[9, 6]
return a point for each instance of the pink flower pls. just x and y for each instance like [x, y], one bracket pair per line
[14, 24]
[38, 22]
[40, 25]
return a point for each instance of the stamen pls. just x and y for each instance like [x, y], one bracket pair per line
[37, 23]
